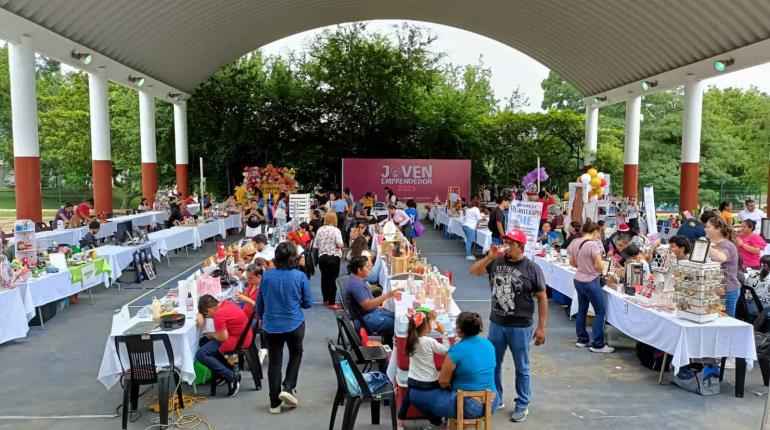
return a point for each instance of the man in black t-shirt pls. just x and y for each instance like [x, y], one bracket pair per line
[497, 219]
[515, 281]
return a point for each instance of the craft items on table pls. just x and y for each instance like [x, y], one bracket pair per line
[698, 291]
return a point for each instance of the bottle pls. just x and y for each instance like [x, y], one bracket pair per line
[155, 309]
[189, 302]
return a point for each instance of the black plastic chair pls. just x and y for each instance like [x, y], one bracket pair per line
[350, 311]
[250, 353]
[352, 401]
[366, 356]
[144, 371]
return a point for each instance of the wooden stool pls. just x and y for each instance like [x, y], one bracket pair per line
[485, 397]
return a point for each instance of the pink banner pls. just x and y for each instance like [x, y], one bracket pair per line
[421, 180]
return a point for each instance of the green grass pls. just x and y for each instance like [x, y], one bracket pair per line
[54, 199]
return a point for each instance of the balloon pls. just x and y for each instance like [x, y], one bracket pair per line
[603, 182]
[592, 172]
[566, 195]
[600, 175]
[585, 178]
[595, 182]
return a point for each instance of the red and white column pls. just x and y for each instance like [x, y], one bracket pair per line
[631, 147]
[691, 129]
[181, 148]
[26, 146]
[147, 139]
[592, 134]
[101, 152]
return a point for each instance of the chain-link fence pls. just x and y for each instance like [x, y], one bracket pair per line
[713, 193]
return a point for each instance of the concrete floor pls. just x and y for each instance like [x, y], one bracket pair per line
[53, 372]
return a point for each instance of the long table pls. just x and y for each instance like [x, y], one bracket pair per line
[682, 339]
[175, 238]
[121, 257]
[560, 278]
[15, 311]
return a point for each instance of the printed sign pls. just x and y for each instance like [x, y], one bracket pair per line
[419, 179]
[526, 216]
[649, 210]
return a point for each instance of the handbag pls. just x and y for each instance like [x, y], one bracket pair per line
[419, 229]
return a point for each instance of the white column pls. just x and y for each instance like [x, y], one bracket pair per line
[180, 132]
[592, 133]
[691, 123]
[100, 117]
[21, 61]
[633, 121]
[147, 127]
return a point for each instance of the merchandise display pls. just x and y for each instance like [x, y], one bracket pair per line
[698, 291]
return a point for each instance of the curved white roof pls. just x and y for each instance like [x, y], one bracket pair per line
[597, 45]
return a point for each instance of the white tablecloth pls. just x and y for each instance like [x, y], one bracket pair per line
[234, 221]
[559, 278]
[682, 339]
[15, 311]
[49, 288]
[455, 226]
[184, 342]
[442, 218]
[484, 239]
[142, 219]
[121, 257]
[67, 236]
[210, 229]
[175, 238]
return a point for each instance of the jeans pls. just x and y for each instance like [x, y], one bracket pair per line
[517, 339]
[590, 292]
[208, 354]
[330, 270]
[374, 275]
[470, 235]
[443, 403]
[731, 301]
[380, 320]
[275, 342]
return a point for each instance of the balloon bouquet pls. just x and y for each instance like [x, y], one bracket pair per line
[594, 181]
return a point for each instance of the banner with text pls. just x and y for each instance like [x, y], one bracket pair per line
[649, 211]
[526, 216]
[419, 179]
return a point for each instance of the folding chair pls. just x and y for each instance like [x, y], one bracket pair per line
[366, 356]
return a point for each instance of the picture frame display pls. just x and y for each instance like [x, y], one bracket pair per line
[700, 250]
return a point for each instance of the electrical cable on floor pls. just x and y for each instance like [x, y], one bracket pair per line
[181, 420]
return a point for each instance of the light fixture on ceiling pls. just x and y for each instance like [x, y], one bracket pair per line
[138, 80]
[175, 96]
[722, 65]
[600, 99]
[82, 57]
[646, 85]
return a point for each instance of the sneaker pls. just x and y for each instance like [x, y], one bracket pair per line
[276, 410]
[581, 344]
[606, 349]
[501, 406]
[470, 258]
[288, 398]
[262, 354]
[519, 415]
[234, 385]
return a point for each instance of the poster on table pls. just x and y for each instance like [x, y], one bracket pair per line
[526, 216]
[418, 179]
[649, 211]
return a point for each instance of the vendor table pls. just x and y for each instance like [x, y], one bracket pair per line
[210, 229]
[175, 238]
[119, 257]
[484, 239]
[15, 311]
[442, 218]
[184, 342]
[67, 236]
[234, 221]
[682, 339]
[455, 226]
[560, 278]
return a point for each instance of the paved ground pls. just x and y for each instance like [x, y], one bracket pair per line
[54, 373]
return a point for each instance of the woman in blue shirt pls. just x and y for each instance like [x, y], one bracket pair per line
[469, 366]
[283, 293]
[411, 210]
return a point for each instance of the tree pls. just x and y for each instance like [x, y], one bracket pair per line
[560, 95]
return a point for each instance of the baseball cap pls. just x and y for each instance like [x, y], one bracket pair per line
[516, 235]
[623, 227]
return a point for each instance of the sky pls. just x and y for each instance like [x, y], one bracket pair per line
[510, 68]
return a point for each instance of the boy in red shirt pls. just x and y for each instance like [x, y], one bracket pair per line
[229, 323]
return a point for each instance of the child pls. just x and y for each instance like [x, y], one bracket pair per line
[420, 348]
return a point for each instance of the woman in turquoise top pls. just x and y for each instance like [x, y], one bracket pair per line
[469, 366]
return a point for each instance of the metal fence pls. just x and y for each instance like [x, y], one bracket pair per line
[713, 193]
